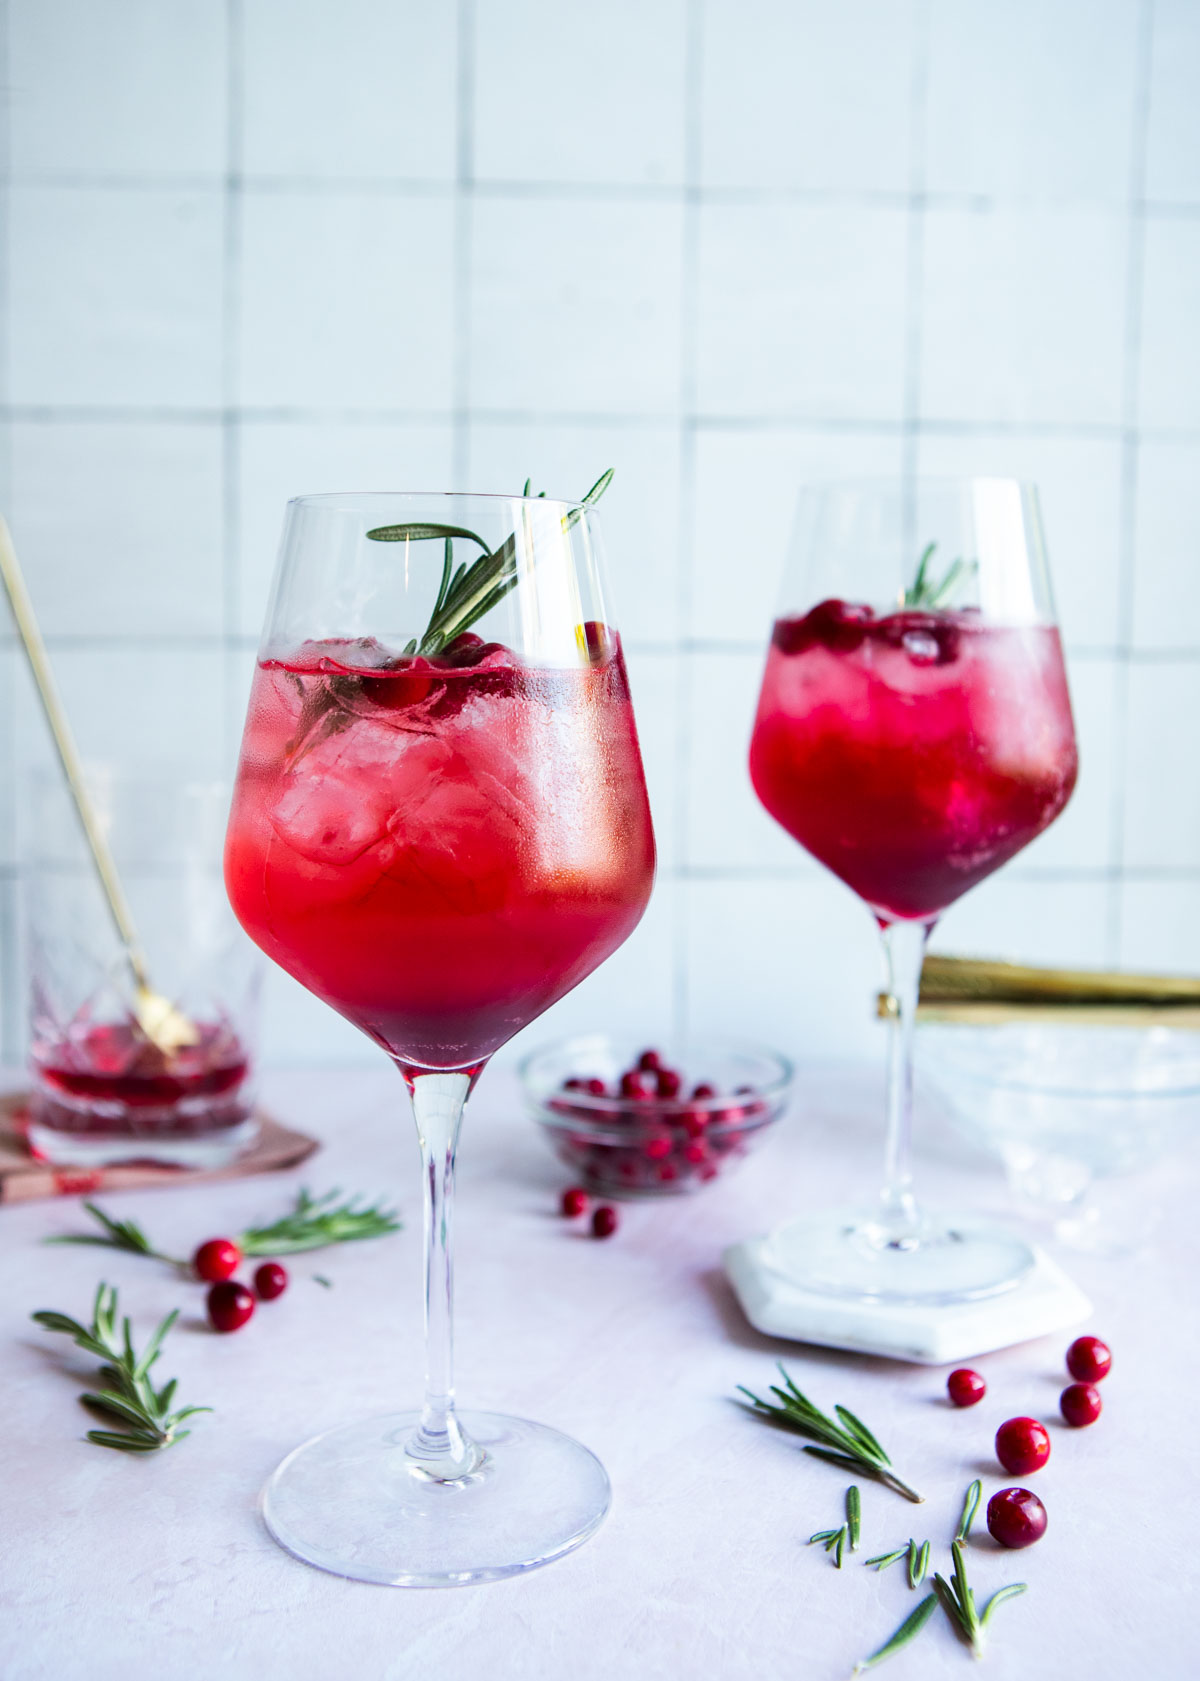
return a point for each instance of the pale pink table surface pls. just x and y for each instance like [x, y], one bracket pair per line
[118, 1567]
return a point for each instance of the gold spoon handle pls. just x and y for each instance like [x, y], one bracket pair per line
[43, 677]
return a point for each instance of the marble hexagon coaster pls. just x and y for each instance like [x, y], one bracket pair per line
[931, 1334]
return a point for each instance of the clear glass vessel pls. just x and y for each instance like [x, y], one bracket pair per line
[913, 733]
[440, 827]
[102, 1091]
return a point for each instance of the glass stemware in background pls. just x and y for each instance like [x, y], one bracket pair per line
[913, 732]
[439, 836]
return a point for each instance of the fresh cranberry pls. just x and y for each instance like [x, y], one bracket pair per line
[703, 1091]
[574, 1084]
[217, 1260]
[839, 625]
[694, 1121]
[229, 1306]
[658, 1146]
[639, 1084]
[599, 640]
[1016, 1518]
[1022, 1446]
[965, 1387]
[1080, 1404]
[1089, 1360]
[574, 1202]
[650, 1062]
[604, 1221]
[270, 1281]
[669, 1084]
[594, 1088]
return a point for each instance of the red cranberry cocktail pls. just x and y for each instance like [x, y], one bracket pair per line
[913, 733]
[440, 827]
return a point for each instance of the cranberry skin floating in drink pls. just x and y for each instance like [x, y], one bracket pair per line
[915, 752]
[440, 849]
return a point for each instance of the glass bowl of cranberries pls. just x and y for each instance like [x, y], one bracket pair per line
[636, 1120]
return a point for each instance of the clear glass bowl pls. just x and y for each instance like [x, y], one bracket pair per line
[654, 1145]
[1064, 1106]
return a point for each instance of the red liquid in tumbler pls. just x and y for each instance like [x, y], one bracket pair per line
[107, 1077]
[912, 754]
[439, 849]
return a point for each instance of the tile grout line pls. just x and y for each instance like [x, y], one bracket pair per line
[914, 266]
[231, 254]
[680, 1003]
[1130, 406]
[464, 218]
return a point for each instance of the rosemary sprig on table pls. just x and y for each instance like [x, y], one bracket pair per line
[926, 591]
[467, 592]
[847, 1443]
[117, 1234]
[312, 1224]
[916, 1557]
[958, 1601]
[126, 1393]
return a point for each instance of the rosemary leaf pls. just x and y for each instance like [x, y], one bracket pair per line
[882, 1560]
[970, 1507]
[841, 1543]
[908, 1631]
[998, 1598]
[922, 1563]
[853, 1516]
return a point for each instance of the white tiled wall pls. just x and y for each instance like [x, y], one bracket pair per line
[258, 247]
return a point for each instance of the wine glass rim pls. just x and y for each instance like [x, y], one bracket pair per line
[360, 498]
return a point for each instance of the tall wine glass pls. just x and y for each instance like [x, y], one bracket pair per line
[439, 835]
[914, 731]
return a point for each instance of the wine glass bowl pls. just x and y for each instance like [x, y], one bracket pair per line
[439, 828]
[913, 733]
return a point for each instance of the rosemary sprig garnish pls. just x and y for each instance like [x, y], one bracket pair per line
[926, 591]
[970, 1507]
[470, 590]
[126, 1393]
[848, 1443]
[908, 1631]
[958, 1601]
[313, 1224]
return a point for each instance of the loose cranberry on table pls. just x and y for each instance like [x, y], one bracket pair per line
[270, 1281]
[1016, 1518]
[1080, 1404]
[574, 1202]
[965, 1387]
[604, 1221]
[1022, 1445]
[229, 1306]
[1089, 1360]
[217, 1260]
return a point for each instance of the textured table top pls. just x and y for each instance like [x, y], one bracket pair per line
[114, 1566]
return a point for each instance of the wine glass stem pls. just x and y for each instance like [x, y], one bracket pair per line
[904, 952]
[439, 1444]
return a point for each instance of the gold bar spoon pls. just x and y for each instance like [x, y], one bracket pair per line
[164, 1025]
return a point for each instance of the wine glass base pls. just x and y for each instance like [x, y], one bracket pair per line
[352, 1502]
[851, 1253]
